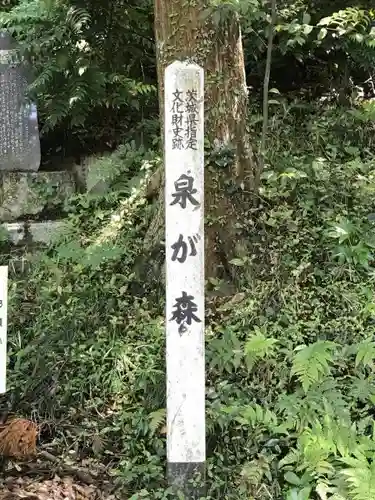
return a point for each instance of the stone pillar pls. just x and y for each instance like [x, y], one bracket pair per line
[19, 133]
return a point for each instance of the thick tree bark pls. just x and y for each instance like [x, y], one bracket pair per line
[184, 32]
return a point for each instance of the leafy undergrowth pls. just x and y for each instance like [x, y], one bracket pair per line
[290, 368]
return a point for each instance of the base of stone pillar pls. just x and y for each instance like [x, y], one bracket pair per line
[187, 478]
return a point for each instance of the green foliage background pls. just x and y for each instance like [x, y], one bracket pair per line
[94, 63]
[94, 67]
[290, 367]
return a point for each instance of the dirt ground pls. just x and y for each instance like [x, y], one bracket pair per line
[41, 474]
[58, 488]
[44, 479]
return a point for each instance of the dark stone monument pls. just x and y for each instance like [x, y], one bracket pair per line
[19, 133]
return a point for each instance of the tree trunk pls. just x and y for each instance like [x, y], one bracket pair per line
[184, 32]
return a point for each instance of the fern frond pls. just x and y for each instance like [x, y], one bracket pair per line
[157, 419]
[253, 472]
[257, 347]
[365, 353]
[77, 18]
[316, 447]
[25, 11]
[255, 416]
[311, 363]
[360, 477]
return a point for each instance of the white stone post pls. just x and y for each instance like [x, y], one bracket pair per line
[3, 326]
[184, 240]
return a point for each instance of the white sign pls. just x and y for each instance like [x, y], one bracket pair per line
[3, 326]
[184, 207]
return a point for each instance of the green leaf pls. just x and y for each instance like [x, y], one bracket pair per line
[237, 262]
[292, 478]
[295, 494]
[306, 18]
[325, 21]
[322, 34]
[307, 29]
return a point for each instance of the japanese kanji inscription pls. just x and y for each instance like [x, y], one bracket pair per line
[184, 239]
[3, 326]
